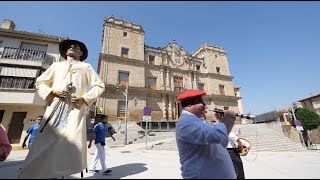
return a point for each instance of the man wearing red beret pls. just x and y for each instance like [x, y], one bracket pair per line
[202, 146]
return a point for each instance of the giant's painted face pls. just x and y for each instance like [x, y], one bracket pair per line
[74, 50]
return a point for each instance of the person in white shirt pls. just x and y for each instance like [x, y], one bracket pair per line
[234, 152]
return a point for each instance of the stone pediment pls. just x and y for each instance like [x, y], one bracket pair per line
[177, 55]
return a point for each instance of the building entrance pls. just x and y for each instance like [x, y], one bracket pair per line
[16, 127]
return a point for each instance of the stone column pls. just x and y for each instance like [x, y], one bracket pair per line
[170, 107]
[162, 76]
[173, 114]
[195, 81]
[168, 80]
[190, 80]
[171, 83]
[164, 110]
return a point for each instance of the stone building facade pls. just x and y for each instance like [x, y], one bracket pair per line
[155, 76]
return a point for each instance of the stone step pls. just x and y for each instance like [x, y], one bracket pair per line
[261, 137]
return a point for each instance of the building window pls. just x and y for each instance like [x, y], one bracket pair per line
[121, 109]
[151, 59]
[198, 68]
[218, 70]
[178, 84]
[152, 83]
[200, 86]
[225, 108]
[221, 88]
[124, 52]
[125, 34]
[123, 78]
[17, 82]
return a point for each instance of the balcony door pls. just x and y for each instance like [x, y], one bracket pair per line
[178, 82]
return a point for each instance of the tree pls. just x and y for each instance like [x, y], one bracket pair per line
[310, 120]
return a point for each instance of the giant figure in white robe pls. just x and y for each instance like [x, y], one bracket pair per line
[61, 149]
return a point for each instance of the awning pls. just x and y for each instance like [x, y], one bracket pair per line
[18, 72]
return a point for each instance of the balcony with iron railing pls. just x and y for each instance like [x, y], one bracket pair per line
[10, 53]
[19, 90]
[17, 82]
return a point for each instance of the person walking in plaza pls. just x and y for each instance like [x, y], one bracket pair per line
[100, 132]
[234, 152]
[32, 132]
[5, 147]
[60, 146]
[202, 146]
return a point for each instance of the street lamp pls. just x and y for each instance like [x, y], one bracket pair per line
[294, 118]
[125, 93]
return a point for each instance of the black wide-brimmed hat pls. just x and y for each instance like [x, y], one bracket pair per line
[64, 45]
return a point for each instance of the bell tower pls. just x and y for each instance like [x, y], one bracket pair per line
[123, 38]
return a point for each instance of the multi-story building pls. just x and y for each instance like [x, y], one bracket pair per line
[155, 76]
[312, 103]
[24, 56]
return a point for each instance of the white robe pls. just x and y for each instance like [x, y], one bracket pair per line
[61, 149]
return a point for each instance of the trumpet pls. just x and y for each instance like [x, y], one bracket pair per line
[246, 116]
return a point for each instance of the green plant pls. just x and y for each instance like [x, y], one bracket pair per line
[310, 120]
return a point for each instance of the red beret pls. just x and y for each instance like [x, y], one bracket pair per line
[191, 94]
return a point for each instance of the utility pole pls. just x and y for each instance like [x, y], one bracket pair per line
[294, 118]
[125, 93]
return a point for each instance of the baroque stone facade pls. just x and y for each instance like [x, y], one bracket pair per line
[157, 75]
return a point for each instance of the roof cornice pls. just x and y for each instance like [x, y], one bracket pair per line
[31, 36]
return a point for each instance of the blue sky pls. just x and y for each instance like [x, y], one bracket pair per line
[273, 47]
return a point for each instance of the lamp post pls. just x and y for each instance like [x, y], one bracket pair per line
[125, 93]
[294, 118]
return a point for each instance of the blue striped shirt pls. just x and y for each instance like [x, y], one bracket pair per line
[202, 149]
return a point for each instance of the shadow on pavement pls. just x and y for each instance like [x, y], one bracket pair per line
[121, 171]
[10, 169]
[5, 164]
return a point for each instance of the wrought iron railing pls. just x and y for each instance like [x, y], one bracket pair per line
[17, 82]
[26, 54]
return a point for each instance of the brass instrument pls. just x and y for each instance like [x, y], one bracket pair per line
[244, 146]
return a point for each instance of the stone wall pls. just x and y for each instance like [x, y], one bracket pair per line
[114, 40]
[170, 61]
[315, 136]
[291, 133]
[111, 76]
